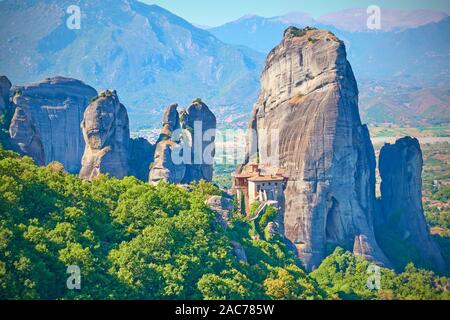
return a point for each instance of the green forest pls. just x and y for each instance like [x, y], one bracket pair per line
[132, 240]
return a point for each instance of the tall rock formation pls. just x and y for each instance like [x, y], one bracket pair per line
[163, 166]
[201, 123]
[106, 133]
[310, 96]
[402, 220]
[141, 156]
[55, 108]
[185, 148]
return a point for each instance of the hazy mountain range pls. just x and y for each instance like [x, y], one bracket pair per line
[153, 57]
[149, 55]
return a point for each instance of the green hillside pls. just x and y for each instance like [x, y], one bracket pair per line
[136, 241]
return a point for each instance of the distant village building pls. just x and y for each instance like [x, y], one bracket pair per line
[260, 183]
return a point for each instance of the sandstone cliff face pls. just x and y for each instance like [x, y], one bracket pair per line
[25, 137]
[402, 217]
[201, 123]
[55, 106]
[106, 133]
[309, 94]
[141, 156]
[178, 141]
[171, 120]
[163, 167]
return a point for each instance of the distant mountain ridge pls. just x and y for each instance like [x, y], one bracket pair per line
[418, 54]
[153, 57]
[393, 67]
[355, 20]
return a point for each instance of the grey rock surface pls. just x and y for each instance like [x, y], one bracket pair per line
[223, 207]
[163, 167]
[141, 156]
[200, 123]
[25, 138]
[56, 106]
[146, 52]
[5, 87]
[106, 134]
[400, 166]
[309, 94]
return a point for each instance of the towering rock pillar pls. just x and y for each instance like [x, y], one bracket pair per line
[310, 97]
[200, 122]
[141, 156]
[24, 136]
[106, 133]
[5, 86]
[188, 138]
[402, 218]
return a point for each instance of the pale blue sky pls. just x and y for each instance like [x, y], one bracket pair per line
[217, 12]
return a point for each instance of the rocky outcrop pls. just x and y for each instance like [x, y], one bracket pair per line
[25, 137]
[200, 124]
[106, 132]
[273, 229]
[163, 166]
[5, 87]
[238, 251]
[55, 108]
[185, 148]
[309, 96]
[402, 218]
